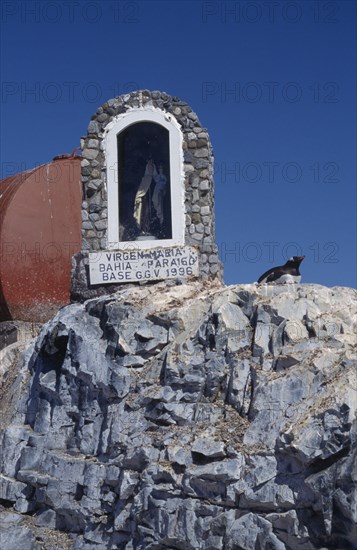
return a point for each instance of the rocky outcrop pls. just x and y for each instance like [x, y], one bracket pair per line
[20, 332]
[186, 417]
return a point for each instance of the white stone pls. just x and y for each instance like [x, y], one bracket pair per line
[201, 153]
[204, 185]
[205, 210]
[90, 153]
[197, 236]
[93, 144]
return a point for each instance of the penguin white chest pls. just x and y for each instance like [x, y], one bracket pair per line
[287, 278]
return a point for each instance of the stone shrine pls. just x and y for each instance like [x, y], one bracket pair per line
[148, 200]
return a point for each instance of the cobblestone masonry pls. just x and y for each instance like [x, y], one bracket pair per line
[199, 192]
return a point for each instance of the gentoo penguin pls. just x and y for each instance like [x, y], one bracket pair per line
[287, 273]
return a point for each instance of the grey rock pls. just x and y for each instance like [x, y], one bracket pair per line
[253, 531]
[199, 153]
[100, 224]
[16, 536]
[208, 448]
[185, 416]
[93, 127]
[239, 386]
[87, 225]
[95, 184]
[90, 154]
[200, 163]
[204, 185]
[197, 236]
[103, 117]
[93, 144]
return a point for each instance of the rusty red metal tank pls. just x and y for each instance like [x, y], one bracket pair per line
[40, 230]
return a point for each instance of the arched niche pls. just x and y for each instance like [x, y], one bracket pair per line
[145, 180]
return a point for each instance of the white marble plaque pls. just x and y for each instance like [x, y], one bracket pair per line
[128, 266]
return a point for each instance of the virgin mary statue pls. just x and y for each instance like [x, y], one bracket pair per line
[149, 175]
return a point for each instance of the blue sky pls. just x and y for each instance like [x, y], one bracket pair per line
[274, 82]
